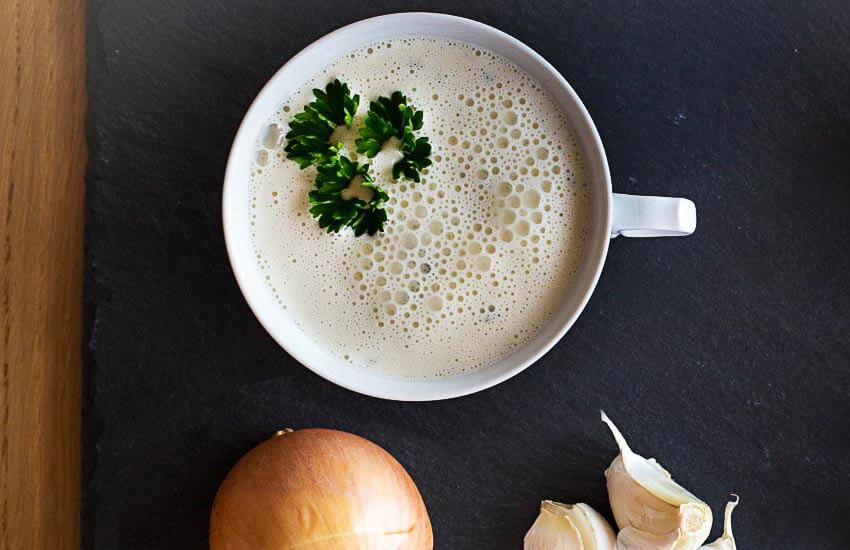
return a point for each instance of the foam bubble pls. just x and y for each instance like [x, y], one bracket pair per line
[409, 241]
[271, 136]
[522, 228]
[507, 217]
[482, 263]
[531, 198]
[434, 303]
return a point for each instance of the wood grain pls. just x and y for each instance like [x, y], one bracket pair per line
[41, 223]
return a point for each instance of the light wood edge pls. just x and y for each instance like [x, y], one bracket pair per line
[42, 166]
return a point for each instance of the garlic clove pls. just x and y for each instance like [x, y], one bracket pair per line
[595, 532]
[652, 510]
[553, 530]
[726, 540]
[634, 539]
[569, 527]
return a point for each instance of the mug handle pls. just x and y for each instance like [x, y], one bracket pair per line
[643, 216]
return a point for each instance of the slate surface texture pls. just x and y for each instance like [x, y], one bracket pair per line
[726, 355]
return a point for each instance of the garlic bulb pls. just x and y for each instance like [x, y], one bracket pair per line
[726, 540]
[569, 527]
[652, 511]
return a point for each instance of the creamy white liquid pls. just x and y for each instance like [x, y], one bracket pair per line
[474, 258]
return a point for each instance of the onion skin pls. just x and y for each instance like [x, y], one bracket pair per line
[319, 489]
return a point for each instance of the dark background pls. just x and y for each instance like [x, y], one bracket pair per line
[726, 355]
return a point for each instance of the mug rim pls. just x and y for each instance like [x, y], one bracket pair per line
[436, 390]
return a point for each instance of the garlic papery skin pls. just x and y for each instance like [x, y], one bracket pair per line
[726, 540]
[569, 527]
[652, 511]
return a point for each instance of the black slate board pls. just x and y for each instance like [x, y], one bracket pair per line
[726, 355]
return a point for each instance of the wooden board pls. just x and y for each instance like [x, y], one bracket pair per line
[42, 98]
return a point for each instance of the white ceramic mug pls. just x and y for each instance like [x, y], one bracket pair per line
[612, 214]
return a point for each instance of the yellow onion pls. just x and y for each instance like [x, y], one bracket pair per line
[319, 489]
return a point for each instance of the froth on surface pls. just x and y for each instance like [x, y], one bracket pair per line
[475, 258]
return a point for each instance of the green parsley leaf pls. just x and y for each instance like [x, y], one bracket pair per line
[416, 152]
[308, 139]
[335, 103]
[375, 131]
[393, 117]
[387, 117]
[334, 211]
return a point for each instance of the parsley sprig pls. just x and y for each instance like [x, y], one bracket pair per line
[387, 117]
[335, 210]
[308, 139]
[416, 157]
[335, 199]
[393, 117]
